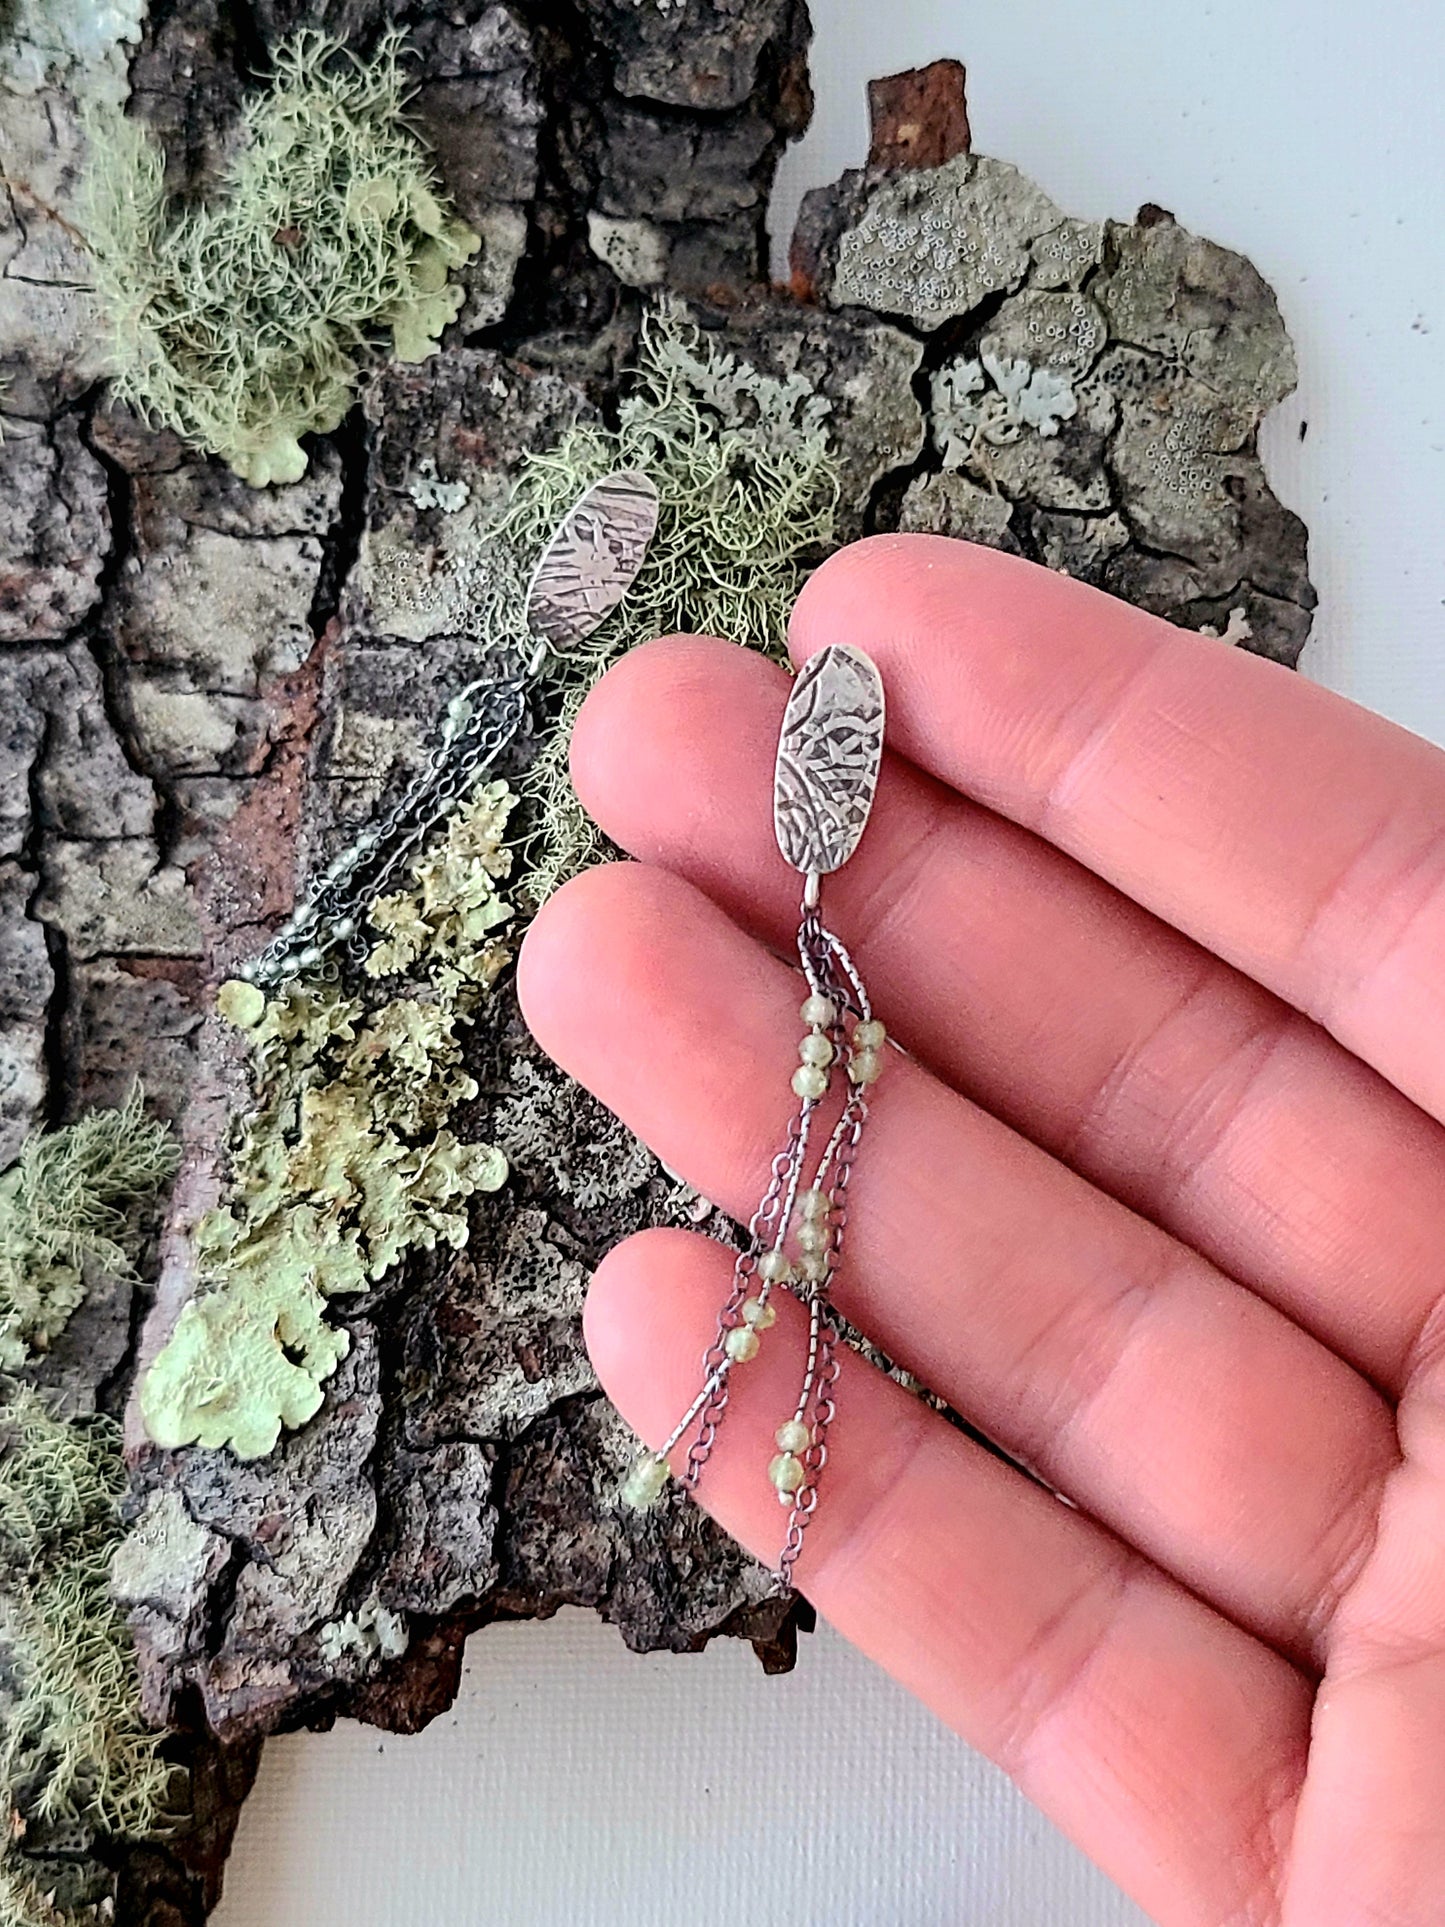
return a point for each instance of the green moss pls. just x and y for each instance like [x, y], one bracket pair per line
[348, 1160]
[71, 1199]
[747, 485]
[239, 323]
[75, 1748]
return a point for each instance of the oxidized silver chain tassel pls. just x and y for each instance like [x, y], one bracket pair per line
[829, 752]
[583, 573]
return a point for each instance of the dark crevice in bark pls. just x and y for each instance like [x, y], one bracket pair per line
[168, 819]
[341, 545]
[59, 1072]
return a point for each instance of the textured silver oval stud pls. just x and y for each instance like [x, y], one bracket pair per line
[587, 567]
[830, 750]
[593, 558]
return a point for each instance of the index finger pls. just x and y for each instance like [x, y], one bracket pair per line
[1290, 831]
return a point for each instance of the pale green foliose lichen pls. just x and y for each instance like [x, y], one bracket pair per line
[347, 1161]
[372, 1632]
[72, 1198]
[75, 1747]
[239, 322]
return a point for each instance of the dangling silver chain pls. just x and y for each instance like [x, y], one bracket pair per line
[587, 566]
[829, 754]
[480, 722]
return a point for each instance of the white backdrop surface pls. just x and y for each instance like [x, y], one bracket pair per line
[573, 1782]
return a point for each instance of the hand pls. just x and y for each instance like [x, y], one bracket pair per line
[1156, 1200]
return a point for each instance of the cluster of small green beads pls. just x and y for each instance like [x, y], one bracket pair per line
[865, 1057]
[865, 1061]
[810, 1080]
[304, 938]
[812, 1234]
[743, 1341]
[649, 1474]
[787, 1470]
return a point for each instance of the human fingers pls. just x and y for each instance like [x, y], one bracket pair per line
[1151, 1067]
[1289, 831]
[1187, 1414]
[1164, 1740]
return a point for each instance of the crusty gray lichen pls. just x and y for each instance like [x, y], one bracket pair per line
[536, 1124]
[54, 530]
[1112, 373]
[933, 245]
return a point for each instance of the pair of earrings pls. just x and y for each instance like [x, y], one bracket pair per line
[829, 753]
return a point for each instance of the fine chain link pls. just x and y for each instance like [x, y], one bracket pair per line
[830, 749]
[822, 1357]
[835, 1169]
[771, 1212]
[815, 1457]
[481, 721]
[585, 569]
[829, 972]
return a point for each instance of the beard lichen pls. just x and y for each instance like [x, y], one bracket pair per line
[75, 1750]
[73, 1198]
[747, 487]
[347, 1162]
[239, 322]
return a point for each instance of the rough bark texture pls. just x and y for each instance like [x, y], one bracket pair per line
[203, 688]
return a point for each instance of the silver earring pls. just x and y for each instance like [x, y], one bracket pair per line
[587, 567]
[829, 753]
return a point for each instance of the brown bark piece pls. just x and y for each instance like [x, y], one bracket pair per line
[918, 118]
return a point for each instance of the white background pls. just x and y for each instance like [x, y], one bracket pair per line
[575, 1783]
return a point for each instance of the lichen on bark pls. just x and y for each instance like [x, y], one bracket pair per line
[207, 689]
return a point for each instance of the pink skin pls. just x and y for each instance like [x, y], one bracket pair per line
[1156, 1200]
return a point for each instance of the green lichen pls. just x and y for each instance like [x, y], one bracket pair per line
[239, 322]
[22, 1904]
[348, 1160]
[747, 481]
[373, 1631]
[748, 487]
[73, 1198]
[75, 1748]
